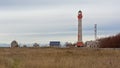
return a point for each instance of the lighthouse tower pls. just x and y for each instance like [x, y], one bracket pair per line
[79, 43]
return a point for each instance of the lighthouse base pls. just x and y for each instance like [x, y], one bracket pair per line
[79, 44]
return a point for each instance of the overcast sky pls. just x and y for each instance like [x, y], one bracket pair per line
[41, 21]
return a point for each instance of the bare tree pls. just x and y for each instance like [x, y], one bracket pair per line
[35, 45]
[14, 44]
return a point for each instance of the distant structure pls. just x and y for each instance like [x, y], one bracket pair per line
[80, 43]
[35, 45]
[95, 31]
[14, 44]
[92, 44]
[54, 44]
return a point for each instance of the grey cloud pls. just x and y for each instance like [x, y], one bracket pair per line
[55, 17]
[34, 2]
[54, 2]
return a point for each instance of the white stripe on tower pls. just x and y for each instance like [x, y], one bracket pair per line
[79, 30]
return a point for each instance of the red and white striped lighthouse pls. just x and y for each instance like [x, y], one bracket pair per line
[79, 43]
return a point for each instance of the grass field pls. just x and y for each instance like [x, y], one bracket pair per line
[59, 58]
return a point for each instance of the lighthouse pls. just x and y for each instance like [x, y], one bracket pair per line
[79, 43]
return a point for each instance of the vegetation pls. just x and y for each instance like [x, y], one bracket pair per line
[59, 58]
[14, 43]
[35, 45]
[110, 42]
[69, 44]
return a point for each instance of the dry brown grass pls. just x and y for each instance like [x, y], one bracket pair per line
[59, 58]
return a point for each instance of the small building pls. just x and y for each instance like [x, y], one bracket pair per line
[54, 43]
[92, 44]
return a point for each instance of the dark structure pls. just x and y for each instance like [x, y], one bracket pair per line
[54, 43]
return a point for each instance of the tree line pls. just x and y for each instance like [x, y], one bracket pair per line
[110, 42]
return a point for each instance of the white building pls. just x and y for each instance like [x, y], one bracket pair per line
[92, 44]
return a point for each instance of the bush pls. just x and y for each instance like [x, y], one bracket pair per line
[35, 45]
